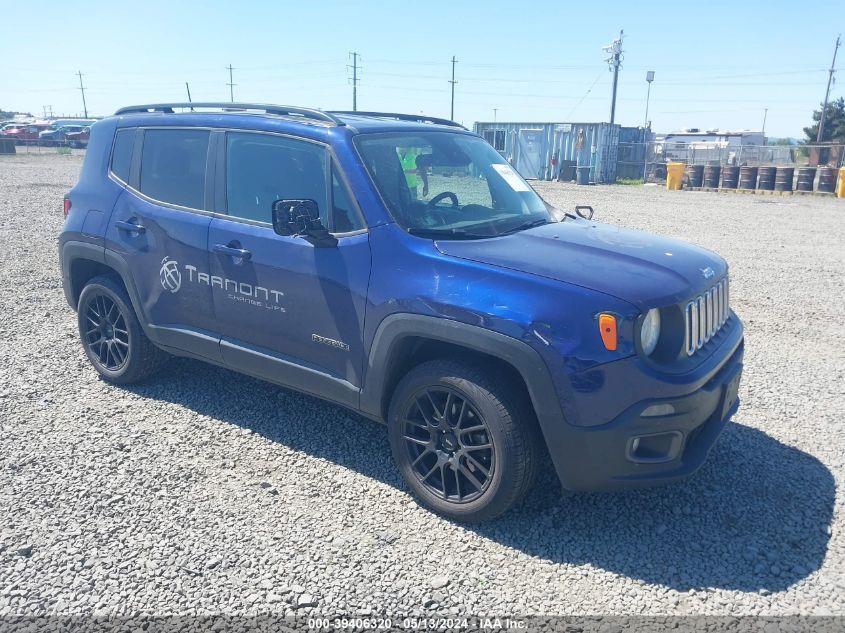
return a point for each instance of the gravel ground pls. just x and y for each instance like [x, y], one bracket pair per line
[207, 492]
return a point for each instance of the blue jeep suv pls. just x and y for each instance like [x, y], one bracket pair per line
[398, 266]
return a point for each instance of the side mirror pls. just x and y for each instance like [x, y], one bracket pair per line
[584, 211]
[301, 218]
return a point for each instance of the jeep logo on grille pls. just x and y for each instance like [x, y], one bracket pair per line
[707, 272]
[171, 278]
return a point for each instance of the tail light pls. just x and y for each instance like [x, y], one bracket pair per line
[66, 206]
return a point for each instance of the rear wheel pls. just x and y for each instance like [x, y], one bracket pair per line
[111, 335]
[465, 441]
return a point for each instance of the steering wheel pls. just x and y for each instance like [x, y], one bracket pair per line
[442, 196]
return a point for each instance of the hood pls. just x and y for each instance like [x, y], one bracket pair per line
[643, 269]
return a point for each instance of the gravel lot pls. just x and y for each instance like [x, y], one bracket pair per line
[207, 492]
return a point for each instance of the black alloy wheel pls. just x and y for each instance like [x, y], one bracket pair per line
[449, 444]
[107, 336]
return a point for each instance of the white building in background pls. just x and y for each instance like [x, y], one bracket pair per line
[731, 147]
[727, 138]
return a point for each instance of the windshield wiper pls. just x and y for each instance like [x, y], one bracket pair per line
[448, 234]
[526, 225]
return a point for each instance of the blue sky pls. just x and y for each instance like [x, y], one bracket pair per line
[717, 64]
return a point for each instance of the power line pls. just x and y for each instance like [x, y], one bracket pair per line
[453, 82]
[231, 85]
[592, 85]
[354, 81]
[82, 89]
[827, 92]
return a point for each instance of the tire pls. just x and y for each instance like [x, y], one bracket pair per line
[115, 345]
[423, 438]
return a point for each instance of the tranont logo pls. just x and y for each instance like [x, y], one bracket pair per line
[171, 278]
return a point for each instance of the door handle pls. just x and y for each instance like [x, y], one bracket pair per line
[129, 227]
[237, 253]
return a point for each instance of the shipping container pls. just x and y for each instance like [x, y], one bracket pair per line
[540, 151]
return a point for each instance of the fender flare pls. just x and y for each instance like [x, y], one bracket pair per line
[516, 353]
[73, 250]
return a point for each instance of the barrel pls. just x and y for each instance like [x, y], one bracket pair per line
[674, 175]
[827, 180]
[583, 175]
[766, 181]
[695, 174]
[567, 171]
[783, 178]
[806, 177]
[747, 177]
[730, 176]
[711, 176]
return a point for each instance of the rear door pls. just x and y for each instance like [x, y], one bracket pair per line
[159, 228]
[288, 311]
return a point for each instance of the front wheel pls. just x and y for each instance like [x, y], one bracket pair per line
[465, 440]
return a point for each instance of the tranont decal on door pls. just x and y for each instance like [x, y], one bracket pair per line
[171, 277]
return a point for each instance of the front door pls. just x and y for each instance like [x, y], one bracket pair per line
[288, 311]
[160, 229]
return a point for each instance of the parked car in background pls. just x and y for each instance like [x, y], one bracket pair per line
[57, 136]
[26, 133]
[78, 139]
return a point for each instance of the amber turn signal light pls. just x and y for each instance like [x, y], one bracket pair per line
[607, 329]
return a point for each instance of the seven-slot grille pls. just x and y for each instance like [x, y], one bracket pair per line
[705, 315]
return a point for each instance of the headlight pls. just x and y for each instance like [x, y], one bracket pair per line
[650, 331]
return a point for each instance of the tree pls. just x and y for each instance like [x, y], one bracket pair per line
[834, 123]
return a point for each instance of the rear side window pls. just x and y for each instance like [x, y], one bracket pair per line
[173, 166]
[261, 169]
[121, 156]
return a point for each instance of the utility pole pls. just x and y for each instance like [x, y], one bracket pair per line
[649, 77]
[453, 82]
[827, 92]
[231, 85]
[614, 63]
[765, 114]
[495, 110]
[354, 81]
[82, 88]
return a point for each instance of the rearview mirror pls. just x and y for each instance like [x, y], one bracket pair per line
[301, 218]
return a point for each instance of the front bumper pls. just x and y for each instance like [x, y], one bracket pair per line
[637, 451]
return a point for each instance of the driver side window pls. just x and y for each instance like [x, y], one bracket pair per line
[262, 168]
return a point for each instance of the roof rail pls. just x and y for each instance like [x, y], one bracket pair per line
[168, 108]
[418, 118]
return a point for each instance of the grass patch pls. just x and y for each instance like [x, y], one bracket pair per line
[63, 150]
[629, 181]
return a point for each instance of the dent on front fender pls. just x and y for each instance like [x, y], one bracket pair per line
[558, 320]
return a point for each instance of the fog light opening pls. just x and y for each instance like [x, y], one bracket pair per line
[651, 449]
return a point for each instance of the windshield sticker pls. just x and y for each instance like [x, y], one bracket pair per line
[511, 177]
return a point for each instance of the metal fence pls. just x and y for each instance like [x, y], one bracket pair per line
[12, 146]
[647, 161]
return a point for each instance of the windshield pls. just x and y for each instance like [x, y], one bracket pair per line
[442, 184]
